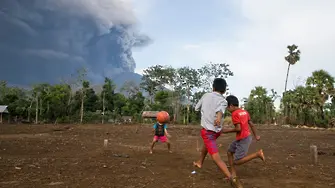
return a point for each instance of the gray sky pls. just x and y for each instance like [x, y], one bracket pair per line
[250, 35]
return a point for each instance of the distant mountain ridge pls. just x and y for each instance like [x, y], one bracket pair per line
[118, 80]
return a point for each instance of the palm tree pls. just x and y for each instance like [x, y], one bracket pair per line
[324, 84]
[292, 58]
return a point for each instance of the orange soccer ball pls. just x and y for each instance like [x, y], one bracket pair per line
[163, 117]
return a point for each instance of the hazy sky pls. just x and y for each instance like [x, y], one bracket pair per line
[250, 35]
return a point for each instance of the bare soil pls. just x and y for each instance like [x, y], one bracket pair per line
[74, 156]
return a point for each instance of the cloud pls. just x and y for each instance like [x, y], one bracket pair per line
[139, 71]
[46, 40]
[50, 54]
[190, 46]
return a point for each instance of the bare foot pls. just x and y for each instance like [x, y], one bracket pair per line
[261, 155]
[197, 164]
[150, 152]
[170, 151]
[236, 183]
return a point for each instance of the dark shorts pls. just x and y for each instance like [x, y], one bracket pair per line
[209, 138]
[240, 147]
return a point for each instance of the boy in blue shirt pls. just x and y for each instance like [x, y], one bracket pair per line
[161, 135]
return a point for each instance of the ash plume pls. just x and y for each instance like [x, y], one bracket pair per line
[46, 40]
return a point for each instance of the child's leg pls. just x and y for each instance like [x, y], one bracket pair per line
[202, 157]
[153, 144]
[204, 151]
[165, 139]
[222, 165]
[209, 138]
[230, 154]
[169, 146]
[242, 148]
[258, 154]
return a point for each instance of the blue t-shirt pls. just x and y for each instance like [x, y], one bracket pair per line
[156, 125]
[159, 129]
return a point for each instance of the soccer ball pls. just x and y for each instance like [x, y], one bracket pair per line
[163, 117]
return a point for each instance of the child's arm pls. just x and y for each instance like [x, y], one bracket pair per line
[199, 104]
[197, 107]
[218, 119]
[253, 130]
[220, 109]
[166, 132]
[154, 129]
[234, 130]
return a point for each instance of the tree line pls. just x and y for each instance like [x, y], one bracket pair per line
[75, 101]
[175, 90]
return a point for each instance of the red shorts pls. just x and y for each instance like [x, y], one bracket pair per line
[209, 138]
[160, 138]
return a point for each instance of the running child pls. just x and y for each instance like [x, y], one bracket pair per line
[213, 106]
[238, 149]
[161, 134]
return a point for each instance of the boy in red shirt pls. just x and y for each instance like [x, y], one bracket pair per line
[238, 149]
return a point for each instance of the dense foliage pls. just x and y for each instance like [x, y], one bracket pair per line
[170, 89]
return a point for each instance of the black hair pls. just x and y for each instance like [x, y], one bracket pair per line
[220, 85]
[232, 101]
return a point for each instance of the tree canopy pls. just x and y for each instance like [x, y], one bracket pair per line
[175, 90]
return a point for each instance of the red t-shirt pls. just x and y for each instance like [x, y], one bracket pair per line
[241, 117]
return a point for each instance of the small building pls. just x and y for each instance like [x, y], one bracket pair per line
[126, 119]
[149, 114]
[3, 109]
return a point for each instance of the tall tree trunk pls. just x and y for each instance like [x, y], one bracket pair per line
[188, 107]
[297, 121]
[69, 106]
[184, 115]
[177, 112]
[31, 104]
[322, 112]
[41, 107]
[36, 110]
[82, 106]
[285, 105]
[265, 119]
[288, 118]
[173, 106]
[103, 108]
[151, 95]
[287, 73]
[305, 117]
[48, 108]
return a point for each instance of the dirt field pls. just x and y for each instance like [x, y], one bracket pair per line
[73, 156]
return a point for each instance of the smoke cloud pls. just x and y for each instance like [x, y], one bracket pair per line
[47, 40]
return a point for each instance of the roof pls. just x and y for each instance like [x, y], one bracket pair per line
[3, 109]
[149, 114]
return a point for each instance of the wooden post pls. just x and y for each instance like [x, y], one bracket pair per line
[314, 154]
[105, 143]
